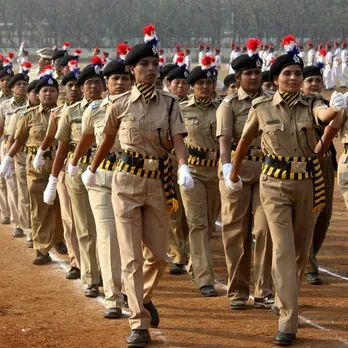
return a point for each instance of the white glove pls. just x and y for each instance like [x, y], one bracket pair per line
[38, 160]
[184, 177]
[6, 163]
[9, 172]
[338, 101]
[234, 186]
[89, 178]
[50, 192]
[226, 171]
[73, 171]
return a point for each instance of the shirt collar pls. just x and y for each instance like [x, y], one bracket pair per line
[277, 99]
[135, 94]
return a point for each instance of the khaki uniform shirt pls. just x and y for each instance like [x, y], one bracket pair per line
[93, 122]
[232, 115]
[200, 124]
[34, 74]
[284, 132]
[17, 114]
[32, 126]
[7, 109]
[3, 97]
[139, 124]
[54, 119]
[70, 123]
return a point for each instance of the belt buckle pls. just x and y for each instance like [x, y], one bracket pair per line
[211, 155]
[298, 167]
[151, 164]
[256, 153]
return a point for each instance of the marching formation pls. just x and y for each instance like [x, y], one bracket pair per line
[128, 160]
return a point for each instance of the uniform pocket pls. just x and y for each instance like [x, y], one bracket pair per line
[274, 132]
[38, 133]
[76, 130]
[129, 131]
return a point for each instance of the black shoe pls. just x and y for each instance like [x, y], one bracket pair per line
[264, 302]
[208, 291]
[30, 243]
[61, 248]
[113, 313]
[92, 290]
[18, 233]
[6, 221]
[41, 259]
[125, 301]
[284, 339]
[73, 273]
[313, 278]
[238, 304]
[177, 268]
[138, 338]
[150, 307]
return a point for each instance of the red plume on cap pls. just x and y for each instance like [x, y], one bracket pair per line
[73, 64]
[122, 49]
[27, 65]
[161, 59]
[200, 45]
[149, 29]
[310, 43]
[344, 43]
[1, 57]
[181, 53]
[10, 55]
[66, 45]
[287, 40]
[177, 46]
[77, 51]
[328, 44]
[323, 52]
[272, 61]
[207, 45]
[336, 42]
[270, 45]
[232, 43]
[185, 47]
[96, 61]
[253, 46]
[206, 62]
[179, 58]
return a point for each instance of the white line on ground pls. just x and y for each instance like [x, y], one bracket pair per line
[324, 270]
[158, 332]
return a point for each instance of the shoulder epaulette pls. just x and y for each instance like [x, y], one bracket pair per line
[230, 97]
[95, 104]
[262, 99]
[57, 108]
[119, 96]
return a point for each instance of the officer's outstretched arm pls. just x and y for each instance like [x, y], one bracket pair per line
[241, 151]
[180, 149]
[103, 150]
[84, 144]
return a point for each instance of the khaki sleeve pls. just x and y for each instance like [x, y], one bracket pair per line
[112, 122]
[177, 125]
[339, 120]
[87, 121]
[2, 117]
[64, 129]
[11, 128]
[224, 120]
[22, 129]
[52, 125]
[252, 126]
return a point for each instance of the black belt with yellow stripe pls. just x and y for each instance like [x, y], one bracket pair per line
[24, 149]
[199, 156]
[345, 151]
[153, 168]
[110, 161]
[254, 153]
[48, 154]
[298, 168]
[87, 158]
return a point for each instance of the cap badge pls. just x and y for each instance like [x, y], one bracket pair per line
[258, 63]
[208, 74]
[155, 49]
[50, 81]
[296, 59]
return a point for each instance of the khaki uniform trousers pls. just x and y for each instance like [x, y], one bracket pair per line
[342, 177]
[242, 217]
[178, 227]
[23, 194]
[141, 217]
[85, 228]
[202, 206]
[323, 222]
[12, 192]
[288, 207]
[5, 209]
[107, 243]
[70, 237]
[46, 219]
